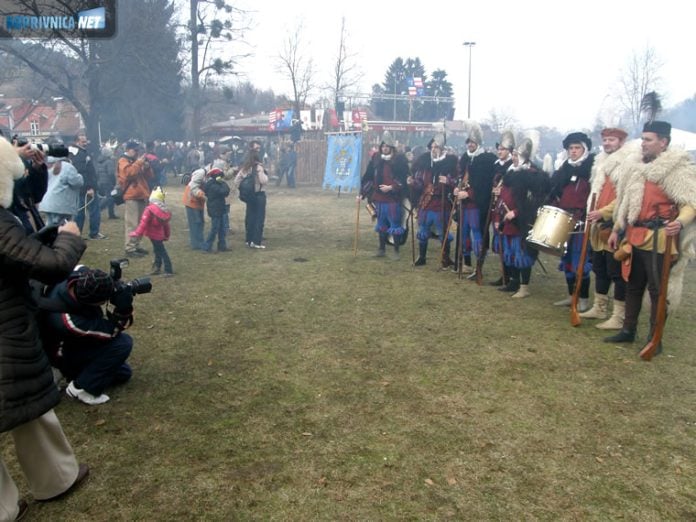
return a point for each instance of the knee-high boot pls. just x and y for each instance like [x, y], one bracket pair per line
[422, 251]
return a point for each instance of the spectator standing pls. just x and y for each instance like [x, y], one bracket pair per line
[156, 165]
[194, 201]
[134, 174]
[290, 165]
[27, 391]
[89, 198]
[63, 194]
[106, 179]
[255, 216]
[216, 190]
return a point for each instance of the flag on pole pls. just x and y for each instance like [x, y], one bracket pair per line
[415, 86]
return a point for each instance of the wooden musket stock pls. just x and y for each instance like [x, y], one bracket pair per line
[574, 315]
[661, 313]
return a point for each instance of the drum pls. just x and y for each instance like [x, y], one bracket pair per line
[551, 230]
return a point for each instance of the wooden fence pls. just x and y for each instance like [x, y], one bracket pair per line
[311, 161]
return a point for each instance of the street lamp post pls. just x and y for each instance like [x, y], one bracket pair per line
[468, 109]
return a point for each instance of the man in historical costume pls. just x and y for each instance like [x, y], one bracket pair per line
[655, 199]
[504, 150]
[476, 166]
[570, 189]
[606, 173]
[434, 176]
[524, 189]
[383, 185]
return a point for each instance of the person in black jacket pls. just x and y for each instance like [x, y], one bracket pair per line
[82, 161]
[89, 347]
[216, 190]
[106, 179]
[27, 391]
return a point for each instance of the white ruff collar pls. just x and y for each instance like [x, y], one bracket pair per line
[472, 155]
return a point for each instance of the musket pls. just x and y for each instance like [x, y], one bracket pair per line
[484, 247]
[661, 313]
[500, 248]
[463, 185]
[574, 315]
[413, 231]
[357, 227]
[460, 247]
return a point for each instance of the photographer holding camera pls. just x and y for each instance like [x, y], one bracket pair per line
[134, 174]
[31, 187]
[89, 346]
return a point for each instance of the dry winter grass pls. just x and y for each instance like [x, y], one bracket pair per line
[302, 383]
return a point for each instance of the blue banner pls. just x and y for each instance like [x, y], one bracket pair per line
[343, 161]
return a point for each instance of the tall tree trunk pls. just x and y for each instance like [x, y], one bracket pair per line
[195, 78]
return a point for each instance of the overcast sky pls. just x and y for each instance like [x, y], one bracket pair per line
[544, 62]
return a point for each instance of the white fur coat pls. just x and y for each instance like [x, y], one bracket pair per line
[675, 173]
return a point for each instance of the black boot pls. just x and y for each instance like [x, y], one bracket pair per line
[512, 286]
[382, 245]
[422, 250]
[497, 282]
[513, 277]
[624, 336]
[446, 259]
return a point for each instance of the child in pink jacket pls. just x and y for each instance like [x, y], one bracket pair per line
[155, 224]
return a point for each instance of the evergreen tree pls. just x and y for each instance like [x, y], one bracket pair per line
[142, 75]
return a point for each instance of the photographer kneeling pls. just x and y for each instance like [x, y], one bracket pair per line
[89, 346]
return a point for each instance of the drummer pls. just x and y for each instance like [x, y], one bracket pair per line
[524, 188]
[570, 189]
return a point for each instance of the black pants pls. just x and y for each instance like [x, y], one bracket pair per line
[161, 256]
[255, 218]
[642, 276]
[607, 270]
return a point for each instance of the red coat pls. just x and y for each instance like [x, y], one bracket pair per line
[154, 223]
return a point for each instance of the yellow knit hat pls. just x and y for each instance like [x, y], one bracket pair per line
[157, 195]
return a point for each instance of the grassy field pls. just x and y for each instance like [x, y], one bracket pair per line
[303, 383]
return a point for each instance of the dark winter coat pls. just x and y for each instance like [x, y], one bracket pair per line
[106, 174]
[216, 190]
[27, 390]
[481, 172]
[374, 176]
[82, 161]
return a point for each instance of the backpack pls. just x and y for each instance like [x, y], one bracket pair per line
[247, 189]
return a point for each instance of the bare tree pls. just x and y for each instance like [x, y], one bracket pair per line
[500, 120]
[346, 74]
[297, 67]
[212, 25]
[69, 65]
[639, 77]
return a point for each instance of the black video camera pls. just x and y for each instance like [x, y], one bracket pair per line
[134, 286]
[57, 151]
